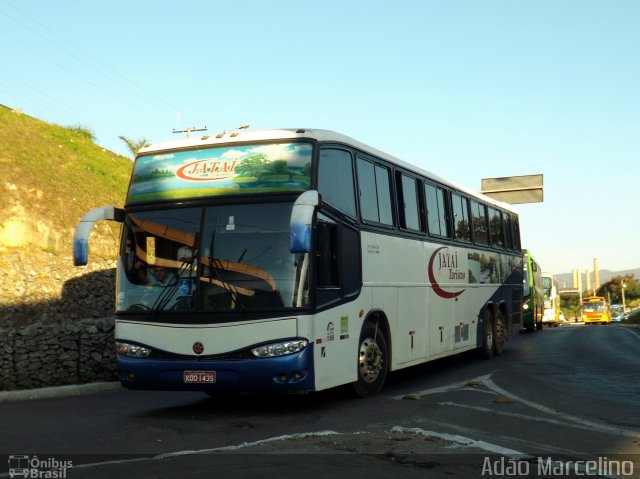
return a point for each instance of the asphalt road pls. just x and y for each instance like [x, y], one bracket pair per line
[569, 392]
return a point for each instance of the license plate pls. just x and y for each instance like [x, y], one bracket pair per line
[199, 377]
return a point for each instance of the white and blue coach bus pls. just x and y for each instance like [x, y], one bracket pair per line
[299, 260]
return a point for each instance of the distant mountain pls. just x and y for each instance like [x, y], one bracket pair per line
[565, 280]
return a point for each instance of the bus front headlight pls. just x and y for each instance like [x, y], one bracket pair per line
[132, 350]
[280, 348]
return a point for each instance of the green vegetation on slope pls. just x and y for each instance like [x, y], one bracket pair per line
[53, 174]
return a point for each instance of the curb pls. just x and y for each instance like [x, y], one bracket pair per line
[58, 391]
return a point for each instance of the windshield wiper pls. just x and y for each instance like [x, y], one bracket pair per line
[167, 293]
[215, 266]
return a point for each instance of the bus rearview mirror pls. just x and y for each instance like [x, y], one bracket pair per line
[83, 230]
[301, 221]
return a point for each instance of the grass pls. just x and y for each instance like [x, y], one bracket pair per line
[57, 173]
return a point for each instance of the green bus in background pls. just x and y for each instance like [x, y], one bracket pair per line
[532, 293]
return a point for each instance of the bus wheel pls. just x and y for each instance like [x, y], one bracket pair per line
[372, 361]
[486, 351]
[499, 332]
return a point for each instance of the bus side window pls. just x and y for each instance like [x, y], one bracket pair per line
[339, 271]
[408, 202]
[496, 228]
[508, 229]
[335, 180]
[351, 261]
[516, 234]
[383, 186]
[375, 192]
[479, 215]
[461, 227]
[327, 255]
[436, 211]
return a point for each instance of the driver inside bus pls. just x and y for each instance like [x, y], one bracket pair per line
[154, 275]
[160, 276]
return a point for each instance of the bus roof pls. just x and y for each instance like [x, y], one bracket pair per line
[243, 136]
[593, 299]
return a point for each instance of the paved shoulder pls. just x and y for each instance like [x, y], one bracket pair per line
[58, 391]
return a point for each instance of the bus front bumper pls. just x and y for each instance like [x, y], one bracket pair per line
[284, 374]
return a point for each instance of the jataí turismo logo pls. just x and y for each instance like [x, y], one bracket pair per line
[207, 170]
[443, 266]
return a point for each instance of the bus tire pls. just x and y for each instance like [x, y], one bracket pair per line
[486, 350]
[499, 332]
[372, 361]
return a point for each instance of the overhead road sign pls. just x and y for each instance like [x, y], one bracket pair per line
[514, 189]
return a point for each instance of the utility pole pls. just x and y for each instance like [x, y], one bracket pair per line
[622, 286]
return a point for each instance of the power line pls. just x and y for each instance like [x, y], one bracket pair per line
[14, 84]
[81, 77]
[141, 109]
[158, 101]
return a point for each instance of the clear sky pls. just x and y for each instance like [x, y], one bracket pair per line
[467, 89]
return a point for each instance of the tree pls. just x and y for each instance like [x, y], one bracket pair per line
[279, 167]
[570, 305]
[135, 146]
[613, 288]
[253, 165]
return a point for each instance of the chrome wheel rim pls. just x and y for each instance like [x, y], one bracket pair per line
[370, 360]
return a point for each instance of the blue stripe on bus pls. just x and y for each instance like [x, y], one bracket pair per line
[245, 375]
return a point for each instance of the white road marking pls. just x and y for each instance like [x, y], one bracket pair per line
[632, 331]
[566, 419]
[516, 415]
[596, 426]
[441, 389]
[464, 441]
[200, 451]
[248, 444]
[458, 441]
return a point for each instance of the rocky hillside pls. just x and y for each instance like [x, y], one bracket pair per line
[51, 175]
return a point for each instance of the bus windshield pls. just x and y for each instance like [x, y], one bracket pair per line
[594, 307]
[210, 259]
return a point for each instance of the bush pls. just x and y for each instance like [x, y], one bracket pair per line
[83, 131]
[634, 318]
